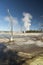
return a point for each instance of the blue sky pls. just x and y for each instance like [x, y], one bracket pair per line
[17, 8]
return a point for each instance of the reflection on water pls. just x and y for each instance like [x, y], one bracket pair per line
[10, 57]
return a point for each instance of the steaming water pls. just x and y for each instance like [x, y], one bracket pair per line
[28, 39]
[15, 36]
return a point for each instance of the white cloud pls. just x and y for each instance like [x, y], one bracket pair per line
[27, 20]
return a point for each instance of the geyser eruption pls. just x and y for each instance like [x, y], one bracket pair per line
[27, 20]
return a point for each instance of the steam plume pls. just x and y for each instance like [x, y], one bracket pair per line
[27, 20]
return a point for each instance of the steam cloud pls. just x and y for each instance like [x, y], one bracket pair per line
[27, 20]
[16, 25]
[14, 20]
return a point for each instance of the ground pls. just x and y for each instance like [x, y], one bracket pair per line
[27, 46]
